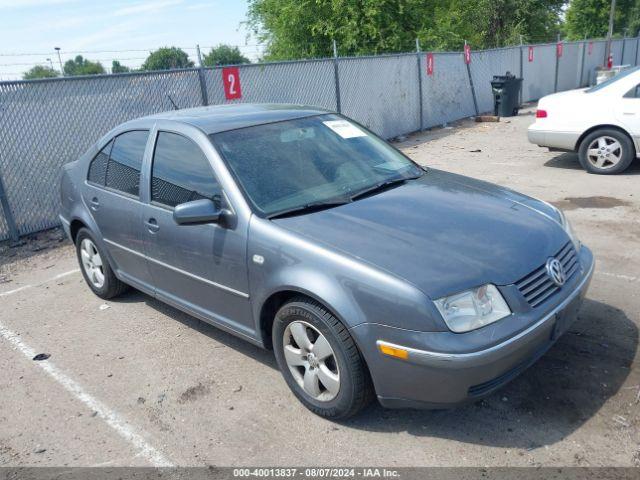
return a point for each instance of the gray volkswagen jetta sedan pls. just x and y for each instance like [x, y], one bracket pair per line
[301, 231]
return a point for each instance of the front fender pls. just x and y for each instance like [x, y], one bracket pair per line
[280, 260]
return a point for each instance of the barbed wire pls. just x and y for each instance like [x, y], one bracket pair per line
[129, 57]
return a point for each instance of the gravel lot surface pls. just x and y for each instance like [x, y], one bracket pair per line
[134, 382]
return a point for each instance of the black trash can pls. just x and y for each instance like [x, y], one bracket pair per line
[506, 94]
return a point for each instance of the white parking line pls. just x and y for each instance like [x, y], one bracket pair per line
[628, 278]
[15, 290]
[111, 417]
[24, 287]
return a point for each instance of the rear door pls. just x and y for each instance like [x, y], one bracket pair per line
[112, 195]
[201, 268]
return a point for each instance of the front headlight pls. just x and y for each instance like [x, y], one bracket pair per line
[472, 309]
[564, 221]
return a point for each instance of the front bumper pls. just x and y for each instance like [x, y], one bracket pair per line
[435, 378]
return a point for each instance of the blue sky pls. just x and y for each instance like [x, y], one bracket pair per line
[36, 26]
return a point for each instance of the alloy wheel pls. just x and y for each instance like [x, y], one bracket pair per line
[604, 152]
[92, 263]
[311, 361]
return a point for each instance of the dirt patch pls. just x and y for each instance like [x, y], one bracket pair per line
[46, 246]
[573, 203]
[193, 393]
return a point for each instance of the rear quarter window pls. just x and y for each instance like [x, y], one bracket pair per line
[125, 162]
[98, 166]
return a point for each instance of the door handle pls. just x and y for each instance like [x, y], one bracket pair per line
[94, 204]
[152, 225]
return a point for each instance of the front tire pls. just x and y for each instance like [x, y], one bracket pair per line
[95, 267]
[606, 151]
[320, 361]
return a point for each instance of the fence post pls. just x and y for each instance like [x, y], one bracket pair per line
[203, 82]
[521, 70]
[555, 83]
[8, 214]
[584, 52]
[637, 46]
[473, 90]
[418, 56]
[336, 77]
[624, 44]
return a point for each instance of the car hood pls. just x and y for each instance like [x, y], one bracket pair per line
[443, 233]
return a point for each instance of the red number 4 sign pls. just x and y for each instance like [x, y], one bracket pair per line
[231, 82]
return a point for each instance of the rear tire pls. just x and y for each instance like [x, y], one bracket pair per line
[606, 151]
[95, 267]
[322, 364]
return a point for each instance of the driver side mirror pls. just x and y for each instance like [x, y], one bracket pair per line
[197, 212]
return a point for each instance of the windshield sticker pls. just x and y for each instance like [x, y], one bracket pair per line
[344, 128]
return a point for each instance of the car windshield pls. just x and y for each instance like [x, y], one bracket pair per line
[612, 80]
[319, 160]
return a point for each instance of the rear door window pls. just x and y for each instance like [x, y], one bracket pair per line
[125, 162]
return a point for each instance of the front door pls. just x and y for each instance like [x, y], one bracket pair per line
[201, 268]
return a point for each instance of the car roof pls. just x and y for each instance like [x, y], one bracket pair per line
[220, 118]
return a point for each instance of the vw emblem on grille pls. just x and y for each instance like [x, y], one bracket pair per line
[556, 272]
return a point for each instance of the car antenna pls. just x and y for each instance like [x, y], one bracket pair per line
[175, 107]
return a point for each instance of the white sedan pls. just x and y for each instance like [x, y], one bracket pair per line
[601, 123]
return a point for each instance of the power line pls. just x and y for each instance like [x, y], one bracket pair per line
[74, 52]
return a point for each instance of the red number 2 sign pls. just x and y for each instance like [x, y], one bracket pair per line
[231, 82]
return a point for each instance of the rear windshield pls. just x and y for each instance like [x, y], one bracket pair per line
[612, 80]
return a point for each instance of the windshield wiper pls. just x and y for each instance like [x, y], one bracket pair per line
[308, 208]
[381, 186]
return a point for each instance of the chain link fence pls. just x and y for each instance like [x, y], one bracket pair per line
[47, 123]
[446, 92]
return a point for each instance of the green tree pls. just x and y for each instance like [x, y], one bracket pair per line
[306, 28]
[167, 58]
[82, 66]
[590, 18]
[633, 19]
[117, 67]
[40, 71]
[224, 55]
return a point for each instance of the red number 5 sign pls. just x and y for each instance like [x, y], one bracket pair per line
[231, 82]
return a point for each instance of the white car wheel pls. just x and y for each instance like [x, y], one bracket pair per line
[606, 151]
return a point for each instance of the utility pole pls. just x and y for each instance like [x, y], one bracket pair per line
[607, 53]
[57, 49]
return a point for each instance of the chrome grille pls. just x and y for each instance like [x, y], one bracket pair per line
[538, 287]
